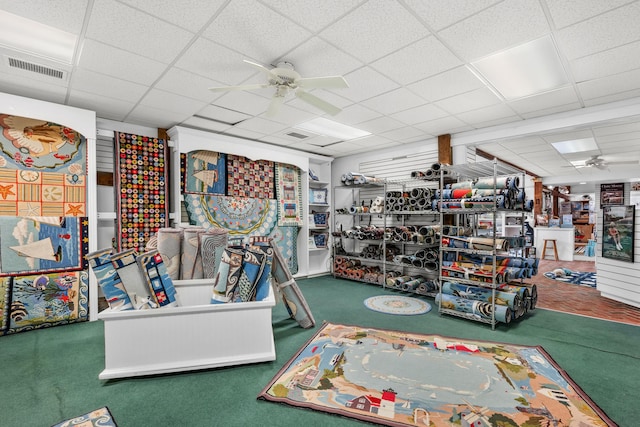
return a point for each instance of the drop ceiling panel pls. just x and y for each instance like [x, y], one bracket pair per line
[315, 58]
[496, 28]
[419, 114]
[110, 87]
[468, 101]
[200, 123]
[566, 13]
[122, 26]
[222, 114]
[443, 125]
[551, 99]
[552, 110]
[366, 83]
[31, 88]
[441, 14]
[172, 102]
[375, 29]
[356, 113]
[323, 13]
[244, 102]
[105, 108]
[619, 83]
[601, 32]
[420, 55]
[154, 117]
[617, 129]
[266, 35]
[490, 113]
[258, 124]
[189, 14]
[609, 98]
[380, 125]
[290, 115]
[404, 134]
[606, 63]
[115, 62]
[447, 84]
[214, 61]
[397, 100]
[181, 82]
[66, 15]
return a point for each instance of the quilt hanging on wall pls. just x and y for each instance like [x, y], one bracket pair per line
[43, 224]
[141, 190]
[289, 195]
[249, 178]
[204, 171]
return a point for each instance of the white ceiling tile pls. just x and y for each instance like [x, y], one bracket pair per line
[552, 110]
[372, 141]
[366, 83]
[618, 83]
[354, 114]
[244, 102]
[473, 100]
[489, 113]
[154, 117]
[551, 99]
[442, 13]
[567, 136]
[216, 62]
[266, 35]
[316, 58]
[66, 15]
[374, 30]
[31, 88]
[635, 93]
[116, 62]
[311, 14]
[496, 28]
[280, 140]
[105, 108]
[181, 82]
[222, 114]
[617, 128]
[420, 55]
[403, 134]
[609, 62]
[527, 145]
[172, 102]
[567, 12]
[380, 125]
[122, 26]
[627, 139]
[447, 84]
[189, 14]
[258, 124]
[111, 87]
[444, 125]
[602, 32]
[243, 133]
[419, 114]
[204, 124]
[396, 100]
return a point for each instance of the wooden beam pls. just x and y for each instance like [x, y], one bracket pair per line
[445, 153]
[488, 156]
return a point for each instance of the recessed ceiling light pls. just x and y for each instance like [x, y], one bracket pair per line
[575, 145]
[326, 127]
[524, 70]
[582, 183]
[25, 35]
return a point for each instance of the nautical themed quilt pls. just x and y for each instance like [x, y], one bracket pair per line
[204, 172]
[43, 300]
[289, 194]
[141, 189]
[249, 178]
[42, 244]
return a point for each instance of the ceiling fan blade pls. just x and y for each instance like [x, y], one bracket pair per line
[274, 106]
[259, 67]
[317, 102]
[624, 162]
[241, 87]
[329, 82]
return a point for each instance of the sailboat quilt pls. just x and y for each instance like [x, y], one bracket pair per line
[204, 172]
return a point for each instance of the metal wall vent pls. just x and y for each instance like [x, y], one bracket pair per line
[35, 68]
[298, 135]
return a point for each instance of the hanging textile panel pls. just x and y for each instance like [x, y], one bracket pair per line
[44, 300]
[204, 172]
[289, 194]
[286, 239]
[249, 178]
[141, 188]
[42, 244]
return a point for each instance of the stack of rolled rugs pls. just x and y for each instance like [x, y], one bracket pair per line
[353, 269]
[356, 178]
[416, 284]
[423, 258]
[375, 252]
[417, 199]
[364, 233]
[423, 234]
[433, 173]
[484, 193]
[483, 243]
[512, 301]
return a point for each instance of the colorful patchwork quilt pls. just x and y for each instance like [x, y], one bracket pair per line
[249, 178]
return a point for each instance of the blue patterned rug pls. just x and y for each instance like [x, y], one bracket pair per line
[99, 418]
[574, 277]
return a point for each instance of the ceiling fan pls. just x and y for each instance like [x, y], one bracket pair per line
[600, 163]
[285, 80]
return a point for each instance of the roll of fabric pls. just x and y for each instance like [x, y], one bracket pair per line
[191, 267]
[109, 280]
[212, 244]
[227, 275]
[510, 299]
[157, 278]
[169, 244]
[263, 283]
[479, 309]
[253, 263]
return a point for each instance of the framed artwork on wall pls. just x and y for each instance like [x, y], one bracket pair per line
[618, 232]
[612, 194]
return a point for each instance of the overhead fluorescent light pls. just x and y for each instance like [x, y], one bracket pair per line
[326, 127]
[582, 183]
[575, 145]
[524, 70]
[25, 35]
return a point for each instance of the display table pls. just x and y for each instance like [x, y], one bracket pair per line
[195, 335]
[564, 241]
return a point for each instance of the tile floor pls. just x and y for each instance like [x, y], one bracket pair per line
[581, 300]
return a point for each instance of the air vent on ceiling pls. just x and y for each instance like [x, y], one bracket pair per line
[298, 135]
[35, 68]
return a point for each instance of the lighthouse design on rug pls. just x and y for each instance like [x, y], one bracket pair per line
[387, 403]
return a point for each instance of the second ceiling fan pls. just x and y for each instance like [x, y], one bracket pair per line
[286, 80]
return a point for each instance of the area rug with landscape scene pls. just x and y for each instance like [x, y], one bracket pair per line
[582, 278]
[399, 378]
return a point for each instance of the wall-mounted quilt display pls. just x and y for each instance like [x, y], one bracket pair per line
[289, 194]
[250, 178]
[43, 224]
[204, 172]
[141, 189]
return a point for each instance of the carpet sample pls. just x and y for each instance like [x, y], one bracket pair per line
[396, 304]
[400, 378]
[100, 417]
[574, 277]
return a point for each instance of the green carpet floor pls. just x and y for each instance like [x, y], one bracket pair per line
[50, 375]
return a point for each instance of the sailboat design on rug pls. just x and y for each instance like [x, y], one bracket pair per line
[41, 249]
